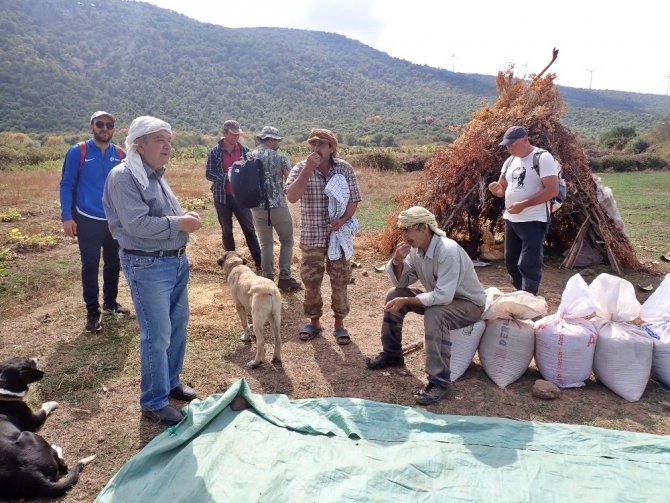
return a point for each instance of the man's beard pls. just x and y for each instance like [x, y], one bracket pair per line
[102, 139]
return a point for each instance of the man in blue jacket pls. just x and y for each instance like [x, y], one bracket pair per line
[85, 170]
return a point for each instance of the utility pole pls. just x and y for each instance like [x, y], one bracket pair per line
[453, 60]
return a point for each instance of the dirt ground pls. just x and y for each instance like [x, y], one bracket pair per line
[95, 376]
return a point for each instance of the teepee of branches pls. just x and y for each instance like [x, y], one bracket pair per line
[454, 183]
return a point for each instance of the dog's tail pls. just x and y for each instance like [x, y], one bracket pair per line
[42, 486]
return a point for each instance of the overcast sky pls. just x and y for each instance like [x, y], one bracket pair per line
[617, 45]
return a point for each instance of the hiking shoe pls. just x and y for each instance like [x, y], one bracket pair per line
[383, 360]
[289, 284]
[183, 392]
[168, 415]
[431, 394]
[115, 309]
[93, 324]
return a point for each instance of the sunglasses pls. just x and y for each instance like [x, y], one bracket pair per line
[101, 125]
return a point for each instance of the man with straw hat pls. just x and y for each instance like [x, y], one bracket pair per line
[307, 182]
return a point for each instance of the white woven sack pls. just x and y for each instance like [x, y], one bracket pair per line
[564, 350]
[519, 305]
[464, 343]
[506, 349]
[656, 313]
[622, 360]
[565, 342]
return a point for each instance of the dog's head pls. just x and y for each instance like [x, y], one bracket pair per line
[229, 260]
[16, 374]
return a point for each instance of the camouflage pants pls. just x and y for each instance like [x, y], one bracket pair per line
[313, 263]
[437, 321]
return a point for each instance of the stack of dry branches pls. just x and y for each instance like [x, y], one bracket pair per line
[454, 183]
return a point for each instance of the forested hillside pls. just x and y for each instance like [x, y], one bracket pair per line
[61, 59]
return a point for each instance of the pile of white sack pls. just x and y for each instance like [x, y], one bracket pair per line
[591, 332]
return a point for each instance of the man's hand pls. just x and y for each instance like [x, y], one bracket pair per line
[189, 222]
[336, 224]
[313, 162]
[516, 208]
[401, 251]
[395, 305]
[70, 228]
[497, 189]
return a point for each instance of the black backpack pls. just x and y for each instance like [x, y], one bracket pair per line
[247, 182]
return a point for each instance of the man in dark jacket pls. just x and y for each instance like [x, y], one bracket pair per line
[220, 159]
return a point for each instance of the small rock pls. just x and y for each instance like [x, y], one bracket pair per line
[545, 390]
[239, 403]
[364, 272]
[587, 272]
[666, 405]
[352, 280]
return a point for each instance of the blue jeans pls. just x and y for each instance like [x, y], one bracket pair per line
[524, 243]
[93, 235]
[158, 286]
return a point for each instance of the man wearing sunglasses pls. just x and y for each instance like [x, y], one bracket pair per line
[85, 170]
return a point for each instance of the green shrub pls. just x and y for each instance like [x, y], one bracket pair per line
[617, 138]
[637, 146]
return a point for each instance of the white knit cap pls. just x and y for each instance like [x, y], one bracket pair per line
[419, 215]
[141, 126]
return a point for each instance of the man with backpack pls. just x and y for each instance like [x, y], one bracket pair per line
[220, 159]
[85, 170]
[527, 192]
[273, 212]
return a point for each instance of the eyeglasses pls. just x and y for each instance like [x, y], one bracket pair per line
[101, 125]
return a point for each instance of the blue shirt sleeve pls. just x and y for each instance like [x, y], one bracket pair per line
[68, 181]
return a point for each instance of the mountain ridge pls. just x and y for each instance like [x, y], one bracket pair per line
[62, 59]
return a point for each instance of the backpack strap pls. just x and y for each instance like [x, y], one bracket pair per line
[536, 160]
[82, 156]
[506, 164]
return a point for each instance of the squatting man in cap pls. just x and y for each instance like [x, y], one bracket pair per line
[527, 194]
[307, 182]
[220, 159]
[274, 214]
[85, 170]
[452, 298]
[152, 230]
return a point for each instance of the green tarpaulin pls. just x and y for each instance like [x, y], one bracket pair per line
[352, 450]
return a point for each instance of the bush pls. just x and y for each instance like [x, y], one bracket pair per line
[637, 146]
[617, 138]
[624, 163]
[381, 160]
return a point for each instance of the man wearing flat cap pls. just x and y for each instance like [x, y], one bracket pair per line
[307, 182]
[152, 229]
[527, 193]
[452, 298]
[85, 170]
[220, 159]
[275, 213]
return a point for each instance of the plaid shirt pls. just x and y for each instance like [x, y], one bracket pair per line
[314, 219]
[214, 171]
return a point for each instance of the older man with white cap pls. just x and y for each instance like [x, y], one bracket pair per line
[152, 229]
[452, 298]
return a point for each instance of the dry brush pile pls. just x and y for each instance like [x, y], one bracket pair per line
[454, 183]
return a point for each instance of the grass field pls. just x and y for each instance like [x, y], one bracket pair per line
[642, 199]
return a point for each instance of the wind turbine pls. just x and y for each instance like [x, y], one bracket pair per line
[453, 59]
[591, 76]
[667, 87]
[525, 68]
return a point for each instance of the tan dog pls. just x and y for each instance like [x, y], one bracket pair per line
[256, 296]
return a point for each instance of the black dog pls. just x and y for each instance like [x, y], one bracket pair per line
[29, 466]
